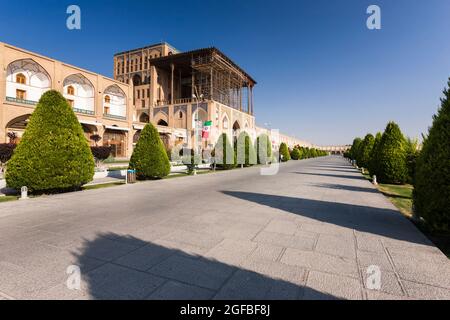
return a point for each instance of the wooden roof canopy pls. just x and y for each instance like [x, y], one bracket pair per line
[204, 60]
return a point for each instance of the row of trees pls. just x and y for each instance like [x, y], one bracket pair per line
[396, 159]
[389, 155]
[299, 153]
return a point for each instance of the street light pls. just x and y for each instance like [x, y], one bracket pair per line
[196, 96]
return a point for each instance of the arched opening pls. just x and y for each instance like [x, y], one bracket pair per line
[16, 128]
[236, 130]
[116, 139]
[114, 102]
[225, 123]
[162, 123]
[180, 120]
[144, 118]
[20, 78]
[79, 92]
[137, 80]
[161, 119]
[200, 115]
[26, 81]
[71, 90]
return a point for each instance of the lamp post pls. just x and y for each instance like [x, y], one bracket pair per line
[196, 120]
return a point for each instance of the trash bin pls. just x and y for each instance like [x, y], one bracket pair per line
[131, 176]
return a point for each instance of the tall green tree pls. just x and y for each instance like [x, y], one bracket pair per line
[373, 162]
[53, 154]
[245, 152]
[284, 152]
[392, 156]
[263, 149]
[432, 181]
[366, 150]
[224, 154]
[354, 150]
[149, 157]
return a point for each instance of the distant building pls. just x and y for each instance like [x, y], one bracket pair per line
[156, 84]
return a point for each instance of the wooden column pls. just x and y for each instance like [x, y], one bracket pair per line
[172, 67]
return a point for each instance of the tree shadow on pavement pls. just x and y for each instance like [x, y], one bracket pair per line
[344, 187]
[356, 177]
[136, 269]
[378, 221]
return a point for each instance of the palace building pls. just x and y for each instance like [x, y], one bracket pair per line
[158, 84]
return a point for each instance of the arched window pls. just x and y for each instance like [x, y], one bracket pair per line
[162, 123]
[180, 115]
[107, 99]
[225, 123]
[71, 90]
[20, 78]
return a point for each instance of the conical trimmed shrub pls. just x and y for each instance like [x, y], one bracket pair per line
[432, 178]
[224, 154]
[54, 154]
[296, 154]
[365, 150]
[149, 157]
[373, 162]
[263, 149]
[354, 150]
[284, 152]
[246, 154]
[392, 166]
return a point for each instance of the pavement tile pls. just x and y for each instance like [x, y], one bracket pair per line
[324, 286]
[336, 245]
[173, 290]
[320, 262]
[200, 272]
[282, 240]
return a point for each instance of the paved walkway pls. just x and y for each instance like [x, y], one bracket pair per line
[309, 232]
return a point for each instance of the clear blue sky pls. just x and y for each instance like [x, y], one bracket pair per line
[322, 75]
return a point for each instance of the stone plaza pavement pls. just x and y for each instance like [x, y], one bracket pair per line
[310, 232]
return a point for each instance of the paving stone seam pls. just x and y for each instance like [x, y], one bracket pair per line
[361, 278]
[391, 261]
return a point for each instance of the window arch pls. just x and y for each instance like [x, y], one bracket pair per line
[71, 90]
[20, 78]
[225, 123]
[162, 123]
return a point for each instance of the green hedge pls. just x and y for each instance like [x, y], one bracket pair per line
[53, 154]
[149, 157]
[392, 156]
[263, 149]
[284, 152]
[431, 194]
[223, 158]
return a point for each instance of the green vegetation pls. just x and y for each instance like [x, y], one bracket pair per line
[400, 196]
[373, 161]
[103, 185]
[296, 154]
[284, 152]
[432, 181]
[149, 157]
[53, 155]
[365, 151]
[392, 167]
[224, 154]
[263, 149]
[8, 198]
[245, 152]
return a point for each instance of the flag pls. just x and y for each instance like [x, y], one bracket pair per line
[206, 129]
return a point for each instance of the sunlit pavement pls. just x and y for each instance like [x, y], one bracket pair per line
[316, 230]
